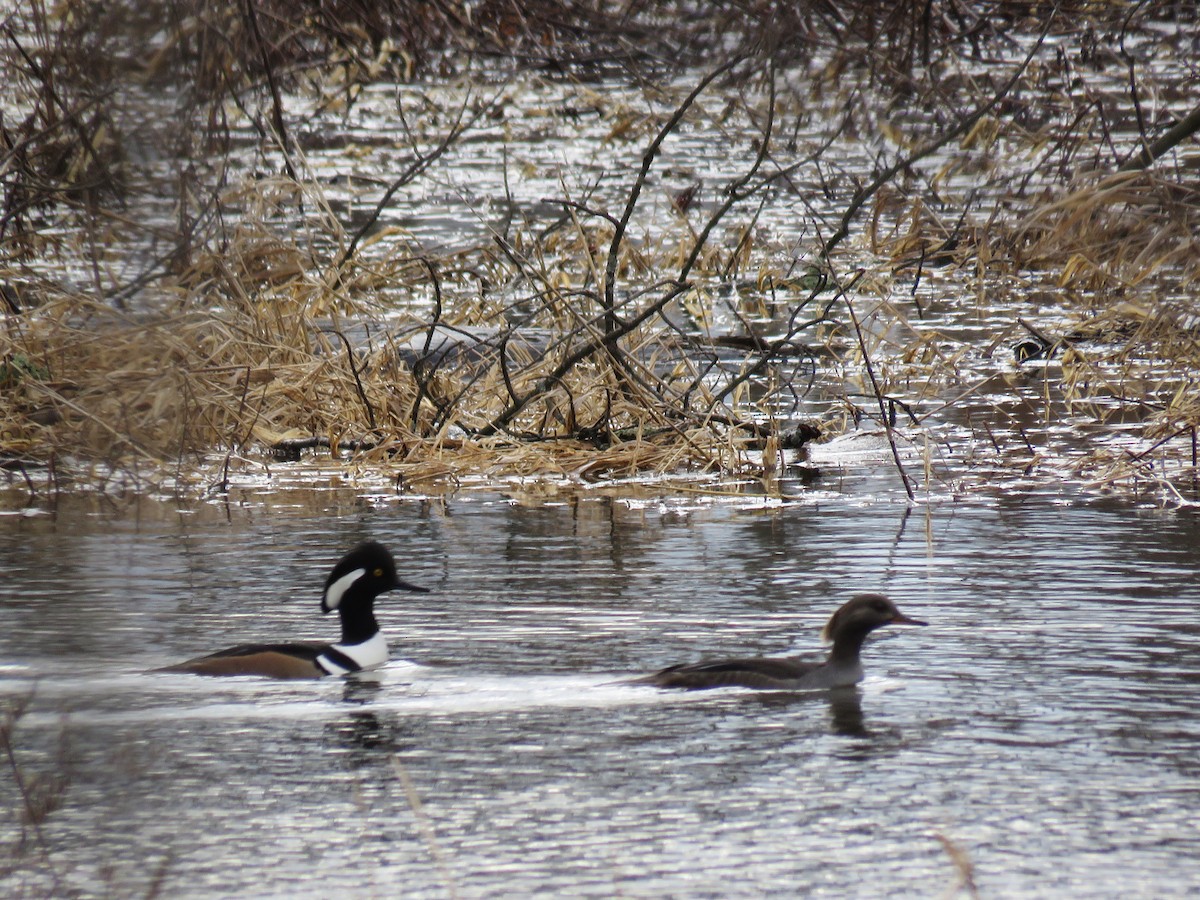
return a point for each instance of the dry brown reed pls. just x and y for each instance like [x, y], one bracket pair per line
[286, 361]
[253, 319]
[1115, 232]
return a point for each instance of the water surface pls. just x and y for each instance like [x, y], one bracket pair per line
[1046, 724]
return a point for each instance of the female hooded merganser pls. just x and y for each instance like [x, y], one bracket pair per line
[847, 629]
[351, 588]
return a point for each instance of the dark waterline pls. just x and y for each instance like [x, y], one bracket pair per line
[1047, 722]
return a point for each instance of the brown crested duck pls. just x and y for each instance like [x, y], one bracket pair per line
[846, 629]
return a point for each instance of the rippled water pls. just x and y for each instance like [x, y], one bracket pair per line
[1046, 724]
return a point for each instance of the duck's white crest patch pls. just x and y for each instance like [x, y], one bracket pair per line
[334, 593]
[369, 654]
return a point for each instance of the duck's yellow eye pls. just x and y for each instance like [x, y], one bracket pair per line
[379, 573]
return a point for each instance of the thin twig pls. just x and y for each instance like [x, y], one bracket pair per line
[32, 814]
[610, 269]
[425, 826]
[277, 119]
[362, 394]
[889, 428]
[964, 125]
[422, 162]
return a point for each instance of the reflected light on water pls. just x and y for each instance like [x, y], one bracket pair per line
[1047, 722]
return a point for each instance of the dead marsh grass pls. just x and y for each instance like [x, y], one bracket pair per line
[261, 360]
[1117, 232]
[259, 319]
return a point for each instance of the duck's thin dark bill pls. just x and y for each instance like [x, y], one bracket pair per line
[902, 619]
[405, 586]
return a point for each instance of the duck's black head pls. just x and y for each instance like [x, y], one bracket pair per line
[362, 575]
[861, 615]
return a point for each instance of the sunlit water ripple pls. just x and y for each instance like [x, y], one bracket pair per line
[1046, 723]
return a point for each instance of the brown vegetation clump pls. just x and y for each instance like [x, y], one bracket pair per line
[187, 284]
[1119, 231]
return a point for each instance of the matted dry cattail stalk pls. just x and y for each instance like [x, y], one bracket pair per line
[192, 289]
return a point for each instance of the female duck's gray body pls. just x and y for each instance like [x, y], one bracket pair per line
[351, 588]
[846, 629]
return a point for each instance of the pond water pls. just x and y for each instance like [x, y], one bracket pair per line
[1044, 729]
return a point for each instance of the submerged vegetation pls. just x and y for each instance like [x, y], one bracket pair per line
[591, 240]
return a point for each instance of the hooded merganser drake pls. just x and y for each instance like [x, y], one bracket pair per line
[351, 588]
[846, 629]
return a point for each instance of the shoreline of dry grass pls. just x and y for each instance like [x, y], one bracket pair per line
[585, 332]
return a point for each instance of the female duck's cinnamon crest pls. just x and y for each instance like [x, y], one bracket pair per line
[351, 588]
[847, 629]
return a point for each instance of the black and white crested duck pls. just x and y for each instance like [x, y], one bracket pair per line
[846, 629]
[351, 588]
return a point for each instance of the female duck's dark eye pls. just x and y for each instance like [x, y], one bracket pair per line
[378, 573]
